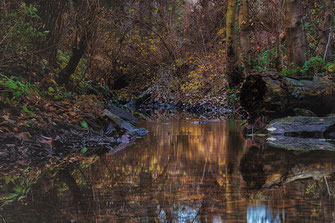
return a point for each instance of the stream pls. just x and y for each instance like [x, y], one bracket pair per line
[181, 171]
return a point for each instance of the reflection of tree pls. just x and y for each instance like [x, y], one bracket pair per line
[252, 165]
[70, 182]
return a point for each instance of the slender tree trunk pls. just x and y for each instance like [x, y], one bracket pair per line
[326, 42]
[78, 50]
[77, 54]
[295, 36]
[234, 74]
[244, 29]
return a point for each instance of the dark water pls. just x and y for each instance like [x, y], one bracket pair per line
[181, 172]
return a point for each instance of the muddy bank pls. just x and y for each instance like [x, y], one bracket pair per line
[53, 131]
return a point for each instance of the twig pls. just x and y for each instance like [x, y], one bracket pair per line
[3, 219]
[203, 42]
[328, 42]
[203, 172]
[325, 179]
[5, 37]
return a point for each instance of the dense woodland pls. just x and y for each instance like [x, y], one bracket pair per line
[178, 50]
[65, 62]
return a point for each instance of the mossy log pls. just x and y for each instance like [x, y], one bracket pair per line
[273, 95]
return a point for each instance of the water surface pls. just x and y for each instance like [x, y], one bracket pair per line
[184, 172]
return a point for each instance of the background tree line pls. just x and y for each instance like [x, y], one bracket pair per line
[178, 48]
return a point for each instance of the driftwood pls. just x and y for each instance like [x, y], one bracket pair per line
[273, 95]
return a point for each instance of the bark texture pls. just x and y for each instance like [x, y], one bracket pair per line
[244, 29]
[295, 35]
[52, 17]
[234, 73]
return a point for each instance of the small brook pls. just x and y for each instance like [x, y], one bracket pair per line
[184, 172]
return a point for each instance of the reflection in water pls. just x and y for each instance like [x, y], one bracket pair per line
[183, 172]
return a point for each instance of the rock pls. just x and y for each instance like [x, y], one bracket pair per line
[303, 126]
[142, 131]
[125, 115]
[119, 121]
[301, 144]
[303, 112]
[124, 124]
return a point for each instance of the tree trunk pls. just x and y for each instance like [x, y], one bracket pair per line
[326, 42]
[77, 54]
[244, 29]
[234, 74]
[272, 95]
[52, 17]
[78, 50]
[295, 36]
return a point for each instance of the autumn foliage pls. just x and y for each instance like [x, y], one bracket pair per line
[180, 50]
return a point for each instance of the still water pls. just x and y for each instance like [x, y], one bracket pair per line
[183, 172]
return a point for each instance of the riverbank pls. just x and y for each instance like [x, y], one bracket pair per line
[46, 131]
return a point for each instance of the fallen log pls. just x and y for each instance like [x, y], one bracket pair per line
[273, 95]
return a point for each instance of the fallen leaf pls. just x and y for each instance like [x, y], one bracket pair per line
[83, 150]
[73, 114]
[84, 124]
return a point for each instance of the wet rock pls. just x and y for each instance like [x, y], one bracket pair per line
[302, 126]
[304, 112]
[125, 115]
[301, 144]
[119, 121]
[142, 131]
